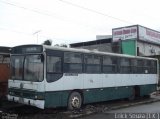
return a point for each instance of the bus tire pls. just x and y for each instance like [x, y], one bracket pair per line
[74, 101]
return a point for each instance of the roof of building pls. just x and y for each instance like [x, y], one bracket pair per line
[94, 42]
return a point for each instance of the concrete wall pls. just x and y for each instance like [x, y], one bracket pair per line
[105, 47]
[148, 49]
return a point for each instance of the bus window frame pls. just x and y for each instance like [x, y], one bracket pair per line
[82, 62]
[49, 75]
[93, 57]
[111, 65]
[41, 54]
[24, 55]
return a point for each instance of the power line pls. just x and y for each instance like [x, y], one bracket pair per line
[94, 11]
[46, 14]
[15, 31]
[29, 9]
[31, 34]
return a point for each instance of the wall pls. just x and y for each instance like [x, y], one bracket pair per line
[148, 49]
[105, 47]
[128, 47]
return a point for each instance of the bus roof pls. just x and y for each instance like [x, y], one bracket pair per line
[81, 51]
[94, 52]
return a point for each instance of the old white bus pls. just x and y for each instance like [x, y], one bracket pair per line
[47, 76]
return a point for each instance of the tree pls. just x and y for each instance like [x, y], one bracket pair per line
[63, 45]
[47, 42]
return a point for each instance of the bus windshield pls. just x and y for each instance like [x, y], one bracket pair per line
[17, 67]
[28, 68]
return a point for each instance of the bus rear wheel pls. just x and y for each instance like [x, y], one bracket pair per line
[74, 101]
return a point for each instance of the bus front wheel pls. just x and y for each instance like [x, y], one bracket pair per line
[74, 101]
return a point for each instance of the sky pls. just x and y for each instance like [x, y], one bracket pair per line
[71, 21]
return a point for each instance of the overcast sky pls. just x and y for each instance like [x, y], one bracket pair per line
[70, 21]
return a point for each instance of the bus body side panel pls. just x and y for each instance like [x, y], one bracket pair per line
[57, 92]
[56, 99]
[98, 87]
[26, 92]
[105, 94]
[112, 93]
[147, 89]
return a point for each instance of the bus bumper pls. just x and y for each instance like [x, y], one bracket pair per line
[32, 102]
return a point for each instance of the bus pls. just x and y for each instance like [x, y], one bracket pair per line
[49, 77]
[4, 71]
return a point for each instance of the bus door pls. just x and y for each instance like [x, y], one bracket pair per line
[53, 74]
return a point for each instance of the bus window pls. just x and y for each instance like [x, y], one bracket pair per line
[134, 66]
[17, 67]
[33, 68]
[72, 62]
[92, 64]
[147, 66]
[54, 68]
[140, 66]
[54, 64]
[125, 65]
[109, 64]
[153, 68]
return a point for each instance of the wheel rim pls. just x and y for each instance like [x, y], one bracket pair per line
[75, 102]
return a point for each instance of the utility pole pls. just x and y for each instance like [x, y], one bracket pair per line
[36, 33]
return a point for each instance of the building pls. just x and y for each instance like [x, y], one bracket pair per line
[137, 40]
[102, 43]
[133, 40]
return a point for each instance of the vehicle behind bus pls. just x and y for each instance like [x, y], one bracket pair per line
[4, 71]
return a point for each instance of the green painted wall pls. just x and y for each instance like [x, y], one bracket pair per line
[129, 47]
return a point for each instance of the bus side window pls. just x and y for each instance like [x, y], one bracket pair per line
[92, 63]
[125, 65]
[54, 68]
[140, 66]
[72, 62]
[54, 64]
[153, 67]
[109, 64]
[147, 66]
[134, 66]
